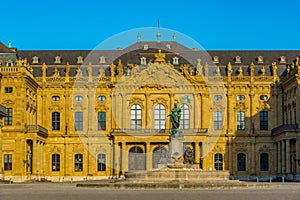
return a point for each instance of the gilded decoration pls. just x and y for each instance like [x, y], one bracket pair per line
[263, 106]
[218, 149]
[240, 106]
[160, 101]
[136, 100]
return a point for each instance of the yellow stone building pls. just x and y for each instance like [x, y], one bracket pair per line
[74, 115]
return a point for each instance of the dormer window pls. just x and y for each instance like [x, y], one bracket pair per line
[282, 59]
[9, 63]
[143, 61]
[146, 47]
[238, 59]
[35, 60]
[175, 61]
[79, 60]
[216, 59]
[102, 59]
[57, 59]
[260, 59]
[168, 46]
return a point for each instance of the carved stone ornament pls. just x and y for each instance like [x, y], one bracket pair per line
[154, 75]
[240, 106]
[160, 101]
[264, 148]
[241, 147]
[136, 100]
[218, 149]
[263, 106]
[55, 149]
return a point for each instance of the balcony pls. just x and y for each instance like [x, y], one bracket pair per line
[38, 129]
[141, 132]
[285, 127]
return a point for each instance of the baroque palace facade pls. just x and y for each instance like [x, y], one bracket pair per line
[69, 115]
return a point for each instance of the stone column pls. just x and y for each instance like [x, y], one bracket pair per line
[282, 156]
[287, 157]
[124, 158]
[148, 156]
[230, 154]
[276, 157]
[197, 152]
[279, 149]
[147, 116]
[253, 167]
[297, 155]
[34, 157]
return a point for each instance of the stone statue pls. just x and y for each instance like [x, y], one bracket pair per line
[188, 156]
[175, 115]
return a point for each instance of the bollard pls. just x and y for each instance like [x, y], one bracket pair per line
[58, 179]
[108, 179]
[9, 180]
[34, 180]
[71, 180]
[257, 179]
[283, 179]
[84, 179]
[270, 179]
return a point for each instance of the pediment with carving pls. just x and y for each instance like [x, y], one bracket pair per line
[155, 76]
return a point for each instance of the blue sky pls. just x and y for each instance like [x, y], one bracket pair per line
[216, 25]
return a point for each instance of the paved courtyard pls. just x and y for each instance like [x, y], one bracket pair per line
[54, 191]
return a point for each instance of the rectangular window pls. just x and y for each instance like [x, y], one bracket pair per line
[218, 120]
[7, 162]
[218, 162]
[78, 162]
[101, 121]
[55, 162]
[8, 89]
[241, 121]
[101, 162]
[8, 118]
[263, 118]
[78, 121]
[56, 121]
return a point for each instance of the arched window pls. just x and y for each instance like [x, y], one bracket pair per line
[240, 97]
[218, 162]
[136, 117]
[241, 162]
[185, 117]
[159, 117]
[101, 162]
[217, 97]
[78, 162]
[263, 97]
[78, 98]
[55, 162]
[264, 162]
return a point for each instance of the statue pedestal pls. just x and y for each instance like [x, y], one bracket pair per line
[176, 148]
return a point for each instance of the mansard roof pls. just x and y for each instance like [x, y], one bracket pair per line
[173, 48]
